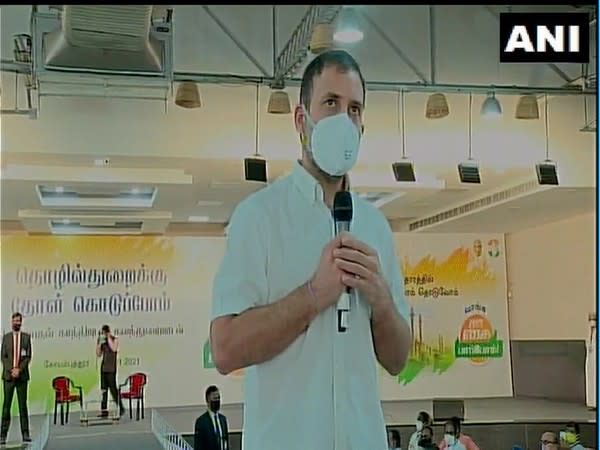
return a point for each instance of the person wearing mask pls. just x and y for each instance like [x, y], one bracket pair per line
[394, 441]
[210, 430]
[275, 294]
[569, 438]
[455, 439]
[16, 356]
[426, 440]
[549, 441]
[107, 347]
[423, 419]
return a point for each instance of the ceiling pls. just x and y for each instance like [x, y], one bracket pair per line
[194, 157]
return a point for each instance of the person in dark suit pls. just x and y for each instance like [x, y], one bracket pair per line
[16, 355]
[211, 431]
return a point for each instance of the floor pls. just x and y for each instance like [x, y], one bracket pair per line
[126, 434]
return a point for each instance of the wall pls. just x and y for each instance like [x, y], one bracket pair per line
[551, 275]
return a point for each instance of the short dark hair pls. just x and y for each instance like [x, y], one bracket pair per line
[427, 427]
[396, 437]
[424, 416]
[17, 314]
[574, 426]
[105, 329]
[338, 58]
[209, 390]
[455, 422]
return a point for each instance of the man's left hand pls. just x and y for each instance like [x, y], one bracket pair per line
[362, 270]
[15, 372]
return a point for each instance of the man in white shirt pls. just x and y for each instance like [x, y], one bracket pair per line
[275, 293]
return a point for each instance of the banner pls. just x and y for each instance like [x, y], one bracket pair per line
[456, 287]
[155, 292]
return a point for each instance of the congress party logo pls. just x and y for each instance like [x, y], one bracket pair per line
[478, 340]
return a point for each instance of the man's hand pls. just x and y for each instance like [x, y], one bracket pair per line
[361, 270]
[15, 372]
[327, 280]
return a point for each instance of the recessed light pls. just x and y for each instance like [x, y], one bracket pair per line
[348, 36]
[101, 162]
[135, 191]
[198, 219]
[209, 203]
[59, 189]
[66, 221]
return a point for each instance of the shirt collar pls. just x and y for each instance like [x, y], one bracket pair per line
[308, 185]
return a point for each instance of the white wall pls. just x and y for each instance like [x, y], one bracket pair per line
[551, 273]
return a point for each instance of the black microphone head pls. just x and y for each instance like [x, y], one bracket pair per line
[342, 206]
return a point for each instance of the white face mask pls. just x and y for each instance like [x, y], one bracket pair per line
[419, 425]
[450, 440]
[334, 143]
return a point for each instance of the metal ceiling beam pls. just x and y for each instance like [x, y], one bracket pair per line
[235, 40]
[296, 49]
[393, 45]
[432, 43]
[551, 66]
[382, 86]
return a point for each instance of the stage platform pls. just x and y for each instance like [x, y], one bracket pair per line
[514, 421]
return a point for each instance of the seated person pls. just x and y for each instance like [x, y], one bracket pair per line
[454, 439]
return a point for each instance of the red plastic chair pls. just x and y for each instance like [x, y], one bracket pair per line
[136, 382]
[63, 394]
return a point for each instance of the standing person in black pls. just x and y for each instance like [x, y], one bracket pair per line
[16, 355]
[211, 431]
[107, 347]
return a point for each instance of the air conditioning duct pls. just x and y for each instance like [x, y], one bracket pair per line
[103, 50]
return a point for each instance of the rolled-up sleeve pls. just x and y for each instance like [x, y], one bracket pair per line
[241, 282]
[394, 275]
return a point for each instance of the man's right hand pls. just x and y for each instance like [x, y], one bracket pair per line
[327, 283]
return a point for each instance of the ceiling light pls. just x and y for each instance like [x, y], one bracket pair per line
[468, 172]
[348, 35]
[437, 107]
[255, 169]
[59, 189]
[547, 173]
[527, 108]
[404, 170]
[198, 219]
[188, 95]
[135, 191]
[491, 107]
[546, 170]
[321, 38]
[279, 103]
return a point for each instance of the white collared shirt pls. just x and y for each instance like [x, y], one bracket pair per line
[325, 384]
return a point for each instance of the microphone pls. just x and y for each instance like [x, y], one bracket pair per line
[342, 216]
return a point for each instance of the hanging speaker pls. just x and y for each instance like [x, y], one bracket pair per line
[547, 173]
[255, 169]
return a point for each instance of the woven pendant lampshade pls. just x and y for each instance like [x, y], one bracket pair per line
[527, 108]
[437, 107]
[188, 95]
[279, 103]
[321, 38]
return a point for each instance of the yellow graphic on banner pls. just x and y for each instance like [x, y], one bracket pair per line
[464, 272]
